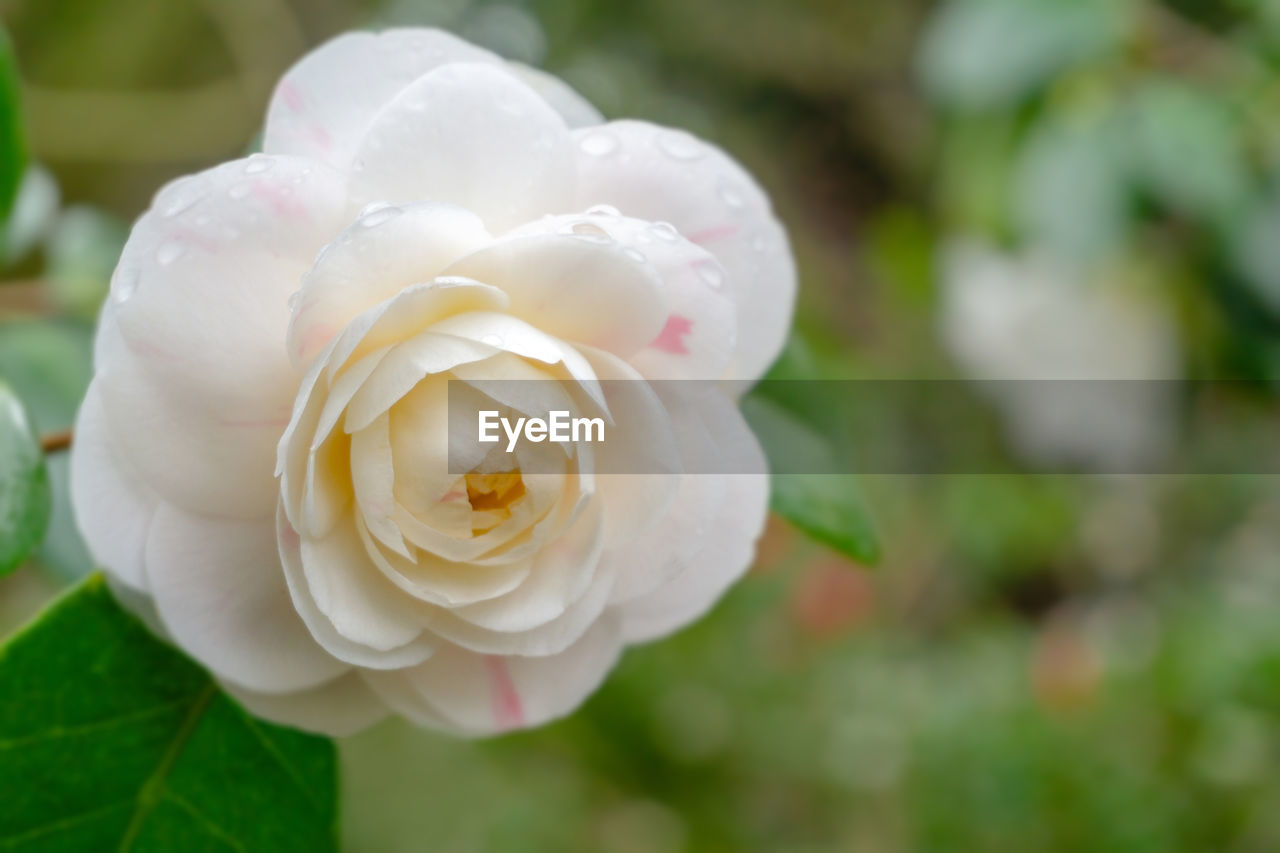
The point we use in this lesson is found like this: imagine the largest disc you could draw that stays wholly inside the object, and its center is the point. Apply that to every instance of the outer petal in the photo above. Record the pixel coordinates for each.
(699, 330)
(221, 594)
(195, 359)
(471, 135)
(727, 547)
(113, 509)
(477, 694)
(583, 290)
(576, 110)
(336, 708)
(324, 104)
(655, 173)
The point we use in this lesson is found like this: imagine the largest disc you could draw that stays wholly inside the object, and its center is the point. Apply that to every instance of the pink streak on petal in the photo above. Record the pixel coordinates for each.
(317, 336)
(195, 238)
(149, 350)
(292, 96)
(710, 235)
(671, 338)
(508, 713)
(453, 496)
(279, 200)
(321, 138)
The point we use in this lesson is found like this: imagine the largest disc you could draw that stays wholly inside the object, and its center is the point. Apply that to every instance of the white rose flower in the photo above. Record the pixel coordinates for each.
(261, 460)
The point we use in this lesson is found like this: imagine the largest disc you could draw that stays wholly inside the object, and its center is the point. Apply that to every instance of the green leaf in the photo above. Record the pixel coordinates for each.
(1184, 149)
(24, 484)
(1071, 192)
(112, 740)
(827, 507)
(13, 154)
(49, 364)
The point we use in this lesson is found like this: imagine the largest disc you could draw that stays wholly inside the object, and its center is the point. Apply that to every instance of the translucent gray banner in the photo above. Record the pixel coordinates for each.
(911, 427)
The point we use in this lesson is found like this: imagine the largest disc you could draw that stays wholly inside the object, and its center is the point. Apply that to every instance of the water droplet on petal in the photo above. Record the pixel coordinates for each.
(665, 231)
(679, 145)
(635, 255)
(293, 299)
(181, 202)
(202, 220)
(378, 213)
(240, 190)
(169, 251)
(588, 231)
(257, 164)
(125, 284)
(603, 210)
(759, 243)
(731, 196)
(598, 143)
(710, 272)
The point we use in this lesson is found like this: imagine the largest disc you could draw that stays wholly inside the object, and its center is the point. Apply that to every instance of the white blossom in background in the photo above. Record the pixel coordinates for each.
(260, 461)
(1034, 319)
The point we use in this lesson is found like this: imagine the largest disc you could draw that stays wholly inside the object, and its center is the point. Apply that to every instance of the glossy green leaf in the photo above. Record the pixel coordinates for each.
(49, 364)
(827, 507)
(24, 484)
(13, 155)
(112, 740)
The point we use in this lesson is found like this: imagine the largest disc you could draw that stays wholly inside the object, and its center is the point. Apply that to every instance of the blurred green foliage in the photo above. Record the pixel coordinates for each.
(1043, 662)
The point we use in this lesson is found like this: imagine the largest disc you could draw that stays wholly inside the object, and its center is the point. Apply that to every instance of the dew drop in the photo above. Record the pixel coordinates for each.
(758, 243)
(202, 220)
(258, 164)
(710, 272)
(179, 204)
(125, 285)
(240, 190)
(731, 196)
(665, 231)
(169, 251)
(381, 213)
(588, 231)
(598, 144)
(293, 299)
(679, 145)
(603, 210)
(635, 255)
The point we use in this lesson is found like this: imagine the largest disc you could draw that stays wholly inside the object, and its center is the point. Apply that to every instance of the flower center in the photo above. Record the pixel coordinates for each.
(491, 497)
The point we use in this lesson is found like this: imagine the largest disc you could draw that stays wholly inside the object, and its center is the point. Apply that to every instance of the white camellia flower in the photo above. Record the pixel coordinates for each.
(261, 461)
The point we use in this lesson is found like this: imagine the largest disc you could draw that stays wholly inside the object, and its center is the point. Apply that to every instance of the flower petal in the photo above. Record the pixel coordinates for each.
(113, 508)
(576, 110)
(469, 134)
(727, 547)
(655, 173)
(476, 694)
(384, 251)
(323, 105)
(582, 290)
(221, 594)
(336, 708)
(194, 361)
(322, 628)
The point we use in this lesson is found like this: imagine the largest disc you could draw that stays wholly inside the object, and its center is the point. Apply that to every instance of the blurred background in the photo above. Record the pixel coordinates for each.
(976, 189)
